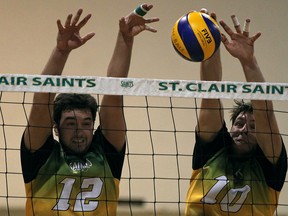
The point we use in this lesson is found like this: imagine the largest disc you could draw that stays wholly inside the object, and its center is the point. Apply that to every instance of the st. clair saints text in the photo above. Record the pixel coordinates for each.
(42, 81)
(223, 87)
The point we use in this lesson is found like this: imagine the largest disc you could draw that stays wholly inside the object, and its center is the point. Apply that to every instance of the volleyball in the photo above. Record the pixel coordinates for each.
(196, 36)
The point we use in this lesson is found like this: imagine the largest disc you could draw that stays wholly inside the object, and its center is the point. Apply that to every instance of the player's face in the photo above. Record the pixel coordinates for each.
(243, 134)
(76, 130)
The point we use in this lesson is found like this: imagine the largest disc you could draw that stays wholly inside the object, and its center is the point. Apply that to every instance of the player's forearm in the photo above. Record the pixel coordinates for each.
(252, 70)
(56, 63)
(54, 66)
(211, 69)
(267, 130)
(253, 73)
(120, 61)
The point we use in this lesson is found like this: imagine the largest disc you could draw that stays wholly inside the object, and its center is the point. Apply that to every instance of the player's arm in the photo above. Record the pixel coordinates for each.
(241, 46)
(211, 113)
(40, 120)
(111, 113)
(267, 130)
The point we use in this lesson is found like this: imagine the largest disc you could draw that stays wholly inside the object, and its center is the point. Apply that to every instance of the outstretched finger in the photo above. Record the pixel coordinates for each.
(204, 10)
(236, 23)
(151, 29)
(84, 21)
(152, 20)
(60, 26)
(142, 10)
(88, 37)
(224, 39)
(68, 20)
(147, 7)
(246, 27)
(77, 17)
(213, 15)
(227, 29)
(255, 37)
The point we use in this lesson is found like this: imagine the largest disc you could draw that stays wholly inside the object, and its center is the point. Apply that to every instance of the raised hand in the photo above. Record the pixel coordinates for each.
(240, 45)
(134, 23)
(69, 35)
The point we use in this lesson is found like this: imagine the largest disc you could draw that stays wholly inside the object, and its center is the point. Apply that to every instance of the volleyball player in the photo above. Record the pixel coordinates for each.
(240, 172)
(79, 174)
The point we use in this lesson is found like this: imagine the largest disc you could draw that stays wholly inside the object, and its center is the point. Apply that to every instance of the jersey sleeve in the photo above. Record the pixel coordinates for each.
(274, 174)
(32, 162)
(204, 151)
(114, 158)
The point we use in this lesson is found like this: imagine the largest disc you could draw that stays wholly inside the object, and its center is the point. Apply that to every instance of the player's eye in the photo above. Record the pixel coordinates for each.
(70, 125)
(239, 124)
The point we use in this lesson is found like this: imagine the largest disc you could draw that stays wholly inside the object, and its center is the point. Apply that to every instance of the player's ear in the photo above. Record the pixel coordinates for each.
(55, 128)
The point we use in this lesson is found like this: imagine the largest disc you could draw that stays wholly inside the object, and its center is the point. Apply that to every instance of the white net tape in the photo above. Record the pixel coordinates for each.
(144, 87)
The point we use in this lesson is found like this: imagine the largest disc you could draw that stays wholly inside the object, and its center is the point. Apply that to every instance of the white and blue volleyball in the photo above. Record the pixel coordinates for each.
(196, 36)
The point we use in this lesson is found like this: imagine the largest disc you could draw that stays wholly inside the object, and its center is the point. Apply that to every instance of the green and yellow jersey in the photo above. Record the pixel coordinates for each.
(65, 185)
(221, 185)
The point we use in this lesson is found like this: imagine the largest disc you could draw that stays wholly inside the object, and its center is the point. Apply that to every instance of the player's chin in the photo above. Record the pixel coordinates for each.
(80, 149)
(239, 145)
(241, 148)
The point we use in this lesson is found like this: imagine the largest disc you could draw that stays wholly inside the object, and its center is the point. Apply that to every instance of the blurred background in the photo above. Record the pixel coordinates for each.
(158, 164)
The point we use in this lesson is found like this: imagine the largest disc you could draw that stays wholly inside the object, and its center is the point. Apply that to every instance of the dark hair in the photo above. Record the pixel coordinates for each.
(66, 101)
(240, 107)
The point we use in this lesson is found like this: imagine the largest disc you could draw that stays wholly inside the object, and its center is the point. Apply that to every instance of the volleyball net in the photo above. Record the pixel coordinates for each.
(161, 116)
